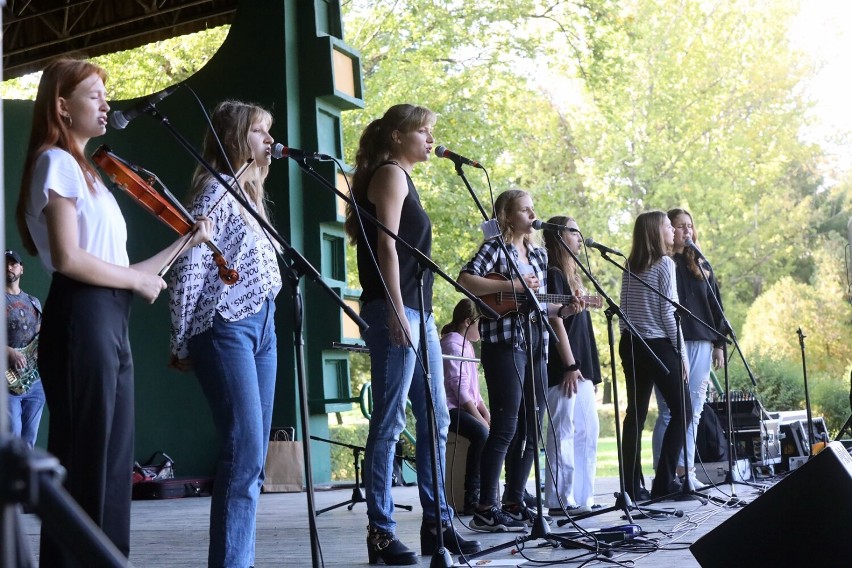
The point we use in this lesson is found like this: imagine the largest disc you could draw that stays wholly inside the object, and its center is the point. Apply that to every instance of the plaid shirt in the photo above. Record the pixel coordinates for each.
(490, 258)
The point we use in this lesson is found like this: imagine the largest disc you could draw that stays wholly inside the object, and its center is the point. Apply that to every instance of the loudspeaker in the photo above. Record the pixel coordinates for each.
(804, 520)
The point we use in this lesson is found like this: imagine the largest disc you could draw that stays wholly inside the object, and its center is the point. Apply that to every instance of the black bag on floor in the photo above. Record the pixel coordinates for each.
(174, 488)
(711, 445)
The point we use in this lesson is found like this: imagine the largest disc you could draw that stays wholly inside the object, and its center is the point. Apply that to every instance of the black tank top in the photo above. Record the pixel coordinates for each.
(415, 228)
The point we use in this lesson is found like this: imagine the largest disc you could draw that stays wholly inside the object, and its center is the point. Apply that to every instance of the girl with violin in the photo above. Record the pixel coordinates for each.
(69, 219)
(227, 333)
(506, 363)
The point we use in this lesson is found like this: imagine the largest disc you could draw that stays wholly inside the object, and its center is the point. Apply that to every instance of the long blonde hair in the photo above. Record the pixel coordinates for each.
(232, 121)
(374, 148)
(59, 79)
(504, 206)
(559, 258)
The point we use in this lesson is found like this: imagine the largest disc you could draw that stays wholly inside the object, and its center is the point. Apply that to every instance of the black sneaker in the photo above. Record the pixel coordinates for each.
(495, 520)
(520, 512)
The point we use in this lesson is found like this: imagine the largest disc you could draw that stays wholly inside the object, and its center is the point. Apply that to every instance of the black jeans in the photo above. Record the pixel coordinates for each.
(641, 373)
(464, 424)
(511, 439)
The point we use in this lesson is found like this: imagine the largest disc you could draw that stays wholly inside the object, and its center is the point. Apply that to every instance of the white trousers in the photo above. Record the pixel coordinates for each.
(572, 447)
(700, 355)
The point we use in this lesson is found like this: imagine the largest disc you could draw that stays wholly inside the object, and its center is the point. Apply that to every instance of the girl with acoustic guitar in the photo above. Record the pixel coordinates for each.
(505, 359)
(67, 216)
(573, 371)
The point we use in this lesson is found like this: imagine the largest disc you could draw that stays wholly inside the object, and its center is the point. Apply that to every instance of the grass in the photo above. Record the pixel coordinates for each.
(608, 458)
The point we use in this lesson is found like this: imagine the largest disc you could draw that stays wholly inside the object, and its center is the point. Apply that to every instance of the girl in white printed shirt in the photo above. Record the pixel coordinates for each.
(227, 333)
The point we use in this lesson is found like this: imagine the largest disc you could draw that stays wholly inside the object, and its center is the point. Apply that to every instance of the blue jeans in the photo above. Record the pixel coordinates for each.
(236, 364)
(25, 413)
(699, 354)
(397, 374)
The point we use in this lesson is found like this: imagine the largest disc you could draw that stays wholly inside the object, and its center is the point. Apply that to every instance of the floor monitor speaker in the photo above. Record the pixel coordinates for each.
(804, 520)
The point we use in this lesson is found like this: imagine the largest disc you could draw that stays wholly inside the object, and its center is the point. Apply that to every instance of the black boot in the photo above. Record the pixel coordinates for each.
(384, 546)
(453, 541)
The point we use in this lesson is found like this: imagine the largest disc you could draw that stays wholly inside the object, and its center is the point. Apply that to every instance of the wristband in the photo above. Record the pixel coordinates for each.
(570, 368)
(559, 311)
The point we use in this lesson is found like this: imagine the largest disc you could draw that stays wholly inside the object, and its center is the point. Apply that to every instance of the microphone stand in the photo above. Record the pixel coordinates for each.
(729, 419)
(34, 477)
(540, 528)
(807, 396)
(687, 491)
(298, 267)
(441, 557)
(621, 497)
(357, 493)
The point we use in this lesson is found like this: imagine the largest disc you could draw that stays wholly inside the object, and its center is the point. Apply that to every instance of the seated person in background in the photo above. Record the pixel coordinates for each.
(468, 415)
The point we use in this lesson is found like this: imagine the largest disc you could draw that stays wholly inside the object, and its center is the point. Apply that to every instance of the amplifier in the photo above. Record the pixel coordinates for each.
(761, 445)
(746, 411)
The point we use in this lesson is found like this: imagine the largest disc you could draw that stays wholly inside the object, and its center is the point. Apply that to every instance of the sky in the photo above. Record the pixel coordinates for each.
(823, 29)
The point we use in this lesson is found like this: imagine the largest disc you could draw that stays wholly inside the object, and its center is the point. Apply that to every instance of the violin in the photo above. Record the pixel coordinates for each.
(163, 206)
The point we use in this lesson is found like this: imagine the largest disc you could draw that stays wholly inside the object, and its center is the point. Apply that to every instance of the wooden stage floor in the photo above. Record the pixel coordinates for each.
(173, 533)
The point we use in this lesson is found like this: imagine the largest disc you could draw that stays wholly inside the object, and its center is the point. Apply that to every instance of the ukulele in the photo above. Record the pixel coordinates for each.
(509, 302)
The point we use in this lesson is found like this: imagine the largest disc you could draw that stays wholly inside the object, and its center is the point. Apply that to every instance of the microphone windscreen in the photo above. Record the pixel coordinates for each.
(117, 120)
(439, 151)
(536, 224)
(278, 150)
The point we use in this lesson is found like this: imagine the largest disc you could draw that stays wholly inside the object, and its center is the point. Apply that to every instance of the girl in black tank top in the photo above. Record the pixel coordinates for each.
(382, 185)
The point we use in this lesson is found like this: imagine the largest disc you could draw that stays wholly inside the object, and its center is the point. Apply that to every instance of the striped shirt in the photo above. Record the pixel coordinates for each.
(652, 316)
(489, 259)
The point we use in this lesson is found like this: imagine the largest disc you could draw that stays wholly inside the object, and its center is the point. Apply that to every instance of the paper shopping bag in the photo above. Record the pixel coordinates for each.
(284, 471)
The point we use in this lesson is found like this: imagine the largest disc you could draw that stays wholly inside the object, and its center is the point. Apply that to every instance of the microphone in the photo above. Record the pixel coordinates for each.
(442, 152)
(590, 242)
(281, 151)
(689, 244)
(540, 225)
(120, 119)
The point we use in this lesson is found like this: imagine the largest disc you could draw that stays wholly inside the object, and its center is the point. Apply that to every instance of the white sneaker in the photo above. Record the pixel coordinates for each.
(696, 484)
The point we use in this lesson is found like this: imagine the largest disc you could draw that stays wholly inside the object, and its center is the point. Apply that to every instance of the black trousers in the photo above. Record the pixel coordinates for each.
(511, 439)
(464, 424)
(87, 371)
(641, 373)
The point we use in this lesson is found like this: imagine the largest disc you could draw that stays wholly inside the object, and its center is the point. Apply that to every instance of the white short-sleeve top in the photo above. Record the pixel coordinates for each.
(101, 226)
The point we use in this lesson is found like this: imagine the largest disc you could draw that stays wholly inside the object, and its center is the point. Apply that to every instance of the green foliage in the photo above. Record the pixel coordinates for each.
(137, 72)
(830, 399)
(780, 385)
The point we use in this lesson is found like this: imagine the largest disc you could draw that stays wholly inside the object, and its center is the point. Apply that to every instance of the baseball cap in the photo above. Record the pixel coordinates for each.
(14, 256)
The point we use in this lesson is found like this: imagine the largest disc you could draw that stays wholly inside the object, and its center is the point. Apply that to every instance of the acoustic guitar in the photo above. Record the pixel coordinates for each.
(510, 302)
(20, 380)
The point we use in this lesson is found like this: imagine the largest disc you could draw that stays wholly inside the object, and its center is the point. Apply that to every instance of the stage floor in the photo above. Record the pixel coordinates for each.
(173, 533)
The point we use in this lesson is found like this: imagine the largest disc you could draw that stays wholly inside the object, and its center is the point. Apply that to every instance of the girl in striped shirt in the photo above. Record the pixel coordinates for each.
(654, 319)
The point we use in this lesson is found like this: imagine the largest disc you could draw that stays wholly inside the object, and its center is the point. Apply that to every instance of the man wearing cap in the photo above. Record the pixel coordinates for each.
(23, 320)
